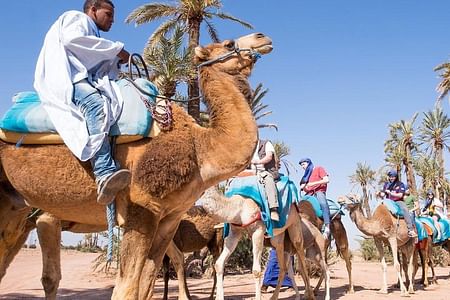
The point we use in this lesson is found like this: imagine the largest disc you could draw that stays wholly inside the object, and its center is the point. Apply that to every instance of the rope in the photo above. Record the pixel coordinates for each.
(111, 217)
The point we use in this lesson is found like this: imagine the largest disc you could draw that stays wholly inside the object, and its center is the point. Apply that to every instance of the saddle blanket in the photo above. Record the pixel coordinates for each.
(250, 187)
(444, 225)
(393, 207)
(421, 231)
(28, 116)
(334, 207)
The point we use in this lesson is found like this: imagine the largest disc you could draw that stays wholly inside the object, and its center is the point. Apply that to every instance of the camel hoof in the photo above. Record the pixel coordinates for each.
(382, 291)
(405, 294)
(351, 291)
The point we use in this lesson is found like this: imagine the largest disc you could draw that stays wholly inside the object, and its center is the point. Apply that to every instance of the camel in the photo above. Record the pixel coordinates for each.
(177, 164)
(339, 234)
(243, 214)
(383, 228)
(197, 230)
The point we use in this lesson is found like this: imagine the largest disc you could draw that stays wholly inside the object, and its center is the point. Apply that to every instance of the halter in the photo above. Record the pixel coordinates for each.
(254, 55)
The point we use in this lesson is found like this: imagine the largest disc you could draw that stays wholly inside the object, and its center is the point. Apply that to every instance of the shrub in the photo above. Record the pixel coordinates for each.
(369, 251)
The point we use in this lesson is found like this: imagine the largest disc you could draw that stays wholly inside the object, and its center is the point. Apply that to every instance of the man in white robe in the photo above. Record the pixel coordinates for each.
(74, 79)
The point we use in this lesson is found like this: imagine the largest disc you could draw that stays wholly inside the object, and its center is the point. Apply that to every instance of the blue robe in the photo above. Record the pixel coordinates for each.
(272, 271)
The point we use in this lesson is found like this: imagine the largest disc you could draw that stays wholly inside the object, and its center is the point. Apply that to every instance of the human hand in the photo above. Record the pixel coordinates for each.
(124, 56)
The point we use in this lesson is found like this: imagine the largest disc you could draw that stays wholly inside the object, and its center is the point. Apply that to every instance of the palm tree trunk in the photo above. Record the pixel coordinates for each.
(193, 90)
(366, 206)
(410, 178)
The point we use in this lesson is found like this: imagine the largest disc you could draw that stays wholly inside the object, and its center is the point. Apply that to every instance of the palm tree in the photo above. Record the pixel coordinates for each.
(258, 107)
(444, 86)
(365, 177)
(401, 142)
(281, 151)
(169, 62)
(435, 134)
(189, 15)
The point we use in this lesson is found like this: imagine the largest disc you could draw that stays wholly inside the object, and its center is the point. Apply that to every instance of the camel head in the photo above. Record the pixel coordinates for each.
(234, 56)
(350, 201)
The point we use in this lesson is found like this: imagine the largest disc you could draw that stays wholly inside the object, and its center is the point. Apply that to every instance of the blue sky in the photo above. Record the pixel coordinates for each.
(340, 72)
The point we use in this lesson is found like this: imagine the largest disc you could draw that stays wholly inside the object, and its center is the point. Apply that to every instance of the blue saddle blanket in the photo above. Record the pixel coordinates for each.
(28, 116)
(393, 207)
(421, 231)
(250, 187)
(334, 207)
(444, 225)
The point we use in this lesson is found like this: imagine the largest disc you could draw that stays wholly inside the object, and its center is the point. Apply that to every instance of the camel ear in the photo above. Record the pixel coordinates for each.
(201, 53)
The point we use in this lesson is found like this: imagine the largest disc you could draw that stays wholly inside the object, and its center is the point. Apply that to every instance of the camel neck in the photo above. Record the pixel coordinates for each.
(366, 226)
(221, 207)
(228, 143)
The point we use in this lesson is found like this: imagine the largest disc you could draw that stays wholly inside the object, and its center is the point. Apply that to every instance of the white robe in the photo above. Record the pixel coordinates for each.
(72, 51)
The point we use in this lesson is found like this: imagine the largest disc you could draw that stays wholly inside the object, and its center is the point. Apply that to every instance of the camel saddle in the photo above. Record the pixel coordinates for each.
(334, 207)
(27, 122)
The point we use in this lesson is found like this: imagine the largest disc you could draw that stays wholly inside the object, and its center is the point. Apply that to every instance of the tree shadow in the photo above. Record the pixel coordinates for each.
(67, 294)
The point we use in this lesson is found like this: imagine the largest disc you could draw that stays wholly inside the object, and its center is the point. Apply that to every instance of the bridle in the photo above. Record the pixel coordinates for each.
(254, 55)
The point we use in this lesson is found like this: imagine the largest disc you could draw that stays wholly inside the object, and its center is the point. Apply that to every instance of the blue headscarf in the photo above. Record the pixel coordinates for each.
(308, 170)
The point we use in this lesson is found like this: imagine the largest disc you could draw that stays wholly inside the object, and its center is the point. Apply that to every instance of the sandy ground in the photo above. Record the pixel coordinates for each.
(22, 281)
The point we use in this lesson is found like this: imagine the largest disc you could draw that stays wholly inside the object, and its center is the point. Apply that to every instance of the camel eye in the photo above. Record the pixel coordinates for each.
(230, 45)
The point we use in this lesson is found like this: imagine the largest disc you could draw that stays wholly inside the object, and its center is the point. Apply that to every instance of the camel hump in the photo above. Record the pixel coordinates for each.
(27, 121)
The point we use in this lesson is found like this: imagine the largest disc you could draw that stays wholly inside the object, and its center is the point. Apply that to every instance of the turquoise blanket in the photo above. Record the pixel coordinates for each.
(421, 231)
(250, 187)
(28, 116)
(445, 228)
(334, 207)
(393, 207)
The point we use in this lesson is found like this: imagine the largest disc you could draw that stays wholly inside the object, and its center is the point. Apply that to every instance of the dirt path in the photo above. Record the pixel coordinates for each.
(22, 281)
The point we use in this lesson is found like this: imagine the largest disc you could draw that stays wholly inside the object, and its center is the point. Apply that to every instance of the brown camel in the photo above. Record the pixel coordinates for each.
(177, 164)
(197, 230)
(242, 214)
(339, 234)
(383, 228)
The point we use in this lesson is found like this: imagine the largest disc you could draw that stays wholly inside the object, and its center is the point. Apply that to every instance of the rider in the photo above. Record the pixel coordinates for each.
(315, 182)
(73, 78)
(394, 190)
(434, 207)
(265, 163)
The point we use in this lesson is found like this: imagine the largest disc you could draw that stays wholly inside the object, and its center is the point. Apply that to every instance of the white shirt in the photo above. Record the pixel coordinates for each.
(72, 51)
(268, 148)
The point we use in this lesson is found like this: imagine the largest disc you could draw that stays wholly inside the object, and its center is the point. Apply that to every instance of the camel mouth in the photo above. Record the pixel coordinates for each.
(264, 49)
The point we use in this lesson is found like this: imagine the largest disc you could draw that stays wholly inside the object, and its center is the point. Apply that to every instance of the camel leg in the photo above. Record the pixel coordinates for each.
(166, 268)
(430, 261)
(177, 258)
(417, 253)
(291, 274)
(296, 237)
(14, 226)
(318, 258)
(379, 245)
(49, 233)
(137, 239)
(257, 249)
(278, 243)
(340, 236)
(409, 260)
(230, 244)
(393, 244)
